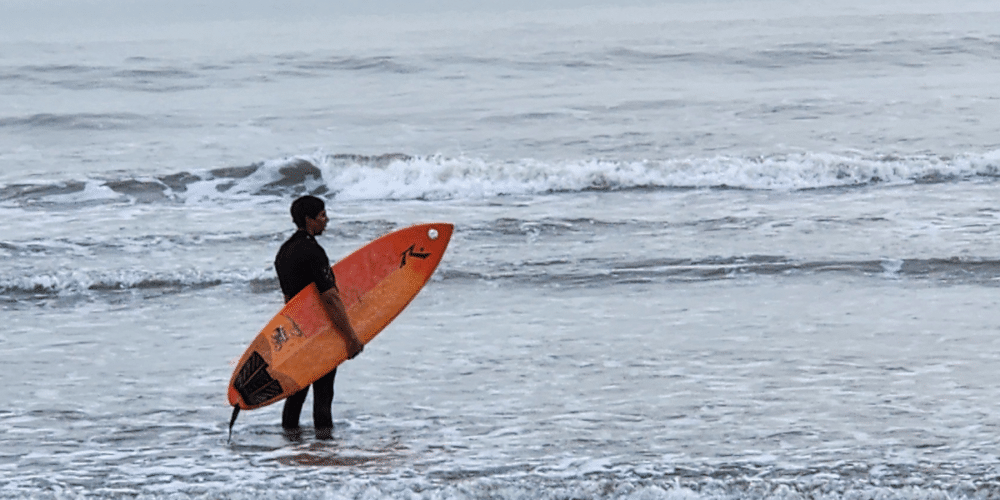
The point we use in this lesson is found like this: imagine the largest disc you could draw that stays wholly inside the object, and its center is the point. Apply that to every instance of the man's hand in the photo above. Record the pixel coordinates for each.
(354, 347)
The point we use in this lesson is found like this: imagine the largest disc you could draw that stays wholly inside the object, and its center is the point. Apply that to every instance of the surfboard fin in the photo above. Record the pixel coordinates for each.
(232, 420)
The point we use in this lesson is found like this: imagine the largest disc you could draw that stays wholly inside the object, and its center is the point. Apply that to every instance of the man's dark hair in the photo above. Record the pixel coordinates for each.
(306, 206)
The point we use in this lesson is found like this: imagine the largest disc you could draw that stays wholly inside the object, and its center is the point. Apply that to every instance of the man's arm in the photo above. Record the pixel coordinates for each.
(338, 315)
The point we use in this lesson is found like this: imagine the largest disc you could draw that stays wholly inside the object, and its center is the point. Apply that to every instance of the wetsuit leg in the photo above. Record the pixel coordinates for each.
(293, 407)
(323, 401)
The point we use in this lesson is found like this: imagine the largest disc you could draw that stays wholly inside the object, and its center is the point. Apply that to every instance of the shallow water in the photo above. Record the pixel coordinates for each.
(838, 383)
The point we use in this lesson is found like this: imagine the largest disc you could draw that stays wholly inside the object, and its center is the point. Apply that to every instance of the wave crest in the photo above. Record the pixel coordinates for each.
(79, 282)
(404, 177)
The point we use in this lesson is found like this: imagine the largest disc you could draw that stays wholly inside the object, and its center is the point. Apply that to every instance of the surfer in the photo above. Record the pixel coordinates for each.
(300, 262)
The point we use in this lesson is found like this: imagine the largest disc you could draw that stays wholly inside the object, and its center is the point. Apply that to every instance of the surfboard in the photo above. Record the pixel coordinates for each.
(300, 344)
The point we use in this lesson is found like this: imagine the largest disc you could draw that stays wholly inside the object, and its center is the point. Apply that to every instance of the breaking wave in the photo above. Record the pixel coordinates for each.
(403, 177)
(79, 282)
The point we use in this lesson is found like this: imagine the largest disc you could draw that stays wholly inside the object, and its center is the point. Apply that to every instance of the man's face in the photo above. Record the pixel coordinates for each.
(317, 225)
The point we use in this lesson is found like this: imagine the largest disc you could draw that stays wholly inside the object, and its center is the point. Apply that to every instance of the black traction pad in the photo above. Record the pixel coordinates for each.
(254, 383)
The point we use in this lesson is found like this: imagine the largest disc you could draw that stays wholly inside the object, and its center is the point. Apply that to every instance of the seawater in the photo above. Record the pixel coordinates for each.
(721, 250)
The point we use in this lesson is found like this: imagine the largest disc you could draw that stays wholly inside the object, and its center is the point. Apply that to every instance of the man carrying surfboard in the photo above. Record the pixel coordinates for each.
(300, 262)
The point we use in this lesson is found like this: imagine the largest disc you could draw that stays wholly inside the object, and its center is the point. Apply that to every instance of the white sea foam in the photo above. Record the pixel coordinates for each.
(93, 191)
(446, 178)
(77, 281)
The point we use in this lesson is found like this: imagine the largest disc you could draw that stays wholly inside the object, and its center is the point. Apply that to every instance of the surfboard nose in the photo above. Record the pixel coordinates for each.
(440, 232)
(427, 246)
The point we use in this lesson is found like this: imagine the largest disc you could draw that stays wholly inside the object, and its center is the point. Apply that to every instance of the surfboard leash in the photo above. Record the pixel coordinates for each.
(232, 420)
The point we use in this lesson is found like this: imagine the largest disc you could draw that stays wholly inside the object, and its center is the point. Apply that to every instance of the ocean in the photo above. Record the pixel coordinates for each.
(703, 250)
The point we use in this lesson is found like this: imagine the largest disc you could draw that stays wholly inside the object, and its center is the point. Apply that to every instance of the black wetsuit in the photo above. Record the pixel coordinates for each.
(301, 262)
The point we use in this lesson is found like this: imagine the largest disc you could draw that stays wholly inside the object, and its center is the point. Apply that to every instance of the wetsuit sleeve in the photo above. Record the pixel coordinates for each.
(321, 272)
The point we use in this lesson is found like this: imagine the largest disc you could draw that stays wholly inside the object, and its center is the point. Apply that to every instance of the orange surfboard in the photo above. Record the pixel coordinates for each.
(300, 344)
